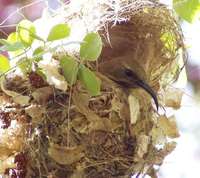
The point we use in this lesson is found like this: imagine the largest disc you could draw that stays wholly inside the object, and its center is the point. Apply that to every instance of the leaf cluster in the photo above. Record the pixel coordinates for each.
(73, 68)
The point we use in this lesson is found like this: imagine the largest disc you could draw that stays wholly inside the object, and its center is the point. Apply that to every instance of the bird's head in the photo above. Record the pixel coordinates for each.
(127, 73)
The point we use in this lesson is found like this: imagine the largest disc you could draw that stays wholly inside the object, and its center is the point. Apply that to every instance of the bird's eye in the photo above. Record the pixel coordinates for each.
(128, 72)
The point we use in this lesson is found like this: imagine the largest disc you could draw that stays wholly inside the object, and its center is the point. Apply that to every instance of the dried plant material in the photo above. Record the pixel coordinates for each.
(153, 173)
(168, 126)
(134, 109)
(116, 102)
(12, 140)
(102, 104)
(17, 97)
(158, 136)
(142, 97)
(35, 112)
(173, 98)
(82, 103)
(6, 163)
(104, 124)
(165, 128)
(78, 174)
(142, 146)
(96, 122)
(65, 155)
(169, 148)
(80, 124)
(42, 95)
(51, 70)
(51, 176)
(162, 153)
(4, 100)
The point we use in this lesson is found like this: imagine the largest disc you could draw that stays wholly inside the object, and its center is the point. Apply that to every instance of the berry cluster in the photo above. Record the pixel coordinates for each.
(5, 119)
(20, 170)
(36, 80)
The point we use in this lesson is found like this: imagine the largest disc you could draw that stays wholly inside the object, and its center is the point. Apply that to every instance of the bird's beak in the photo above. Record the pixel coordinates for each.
(149, 90)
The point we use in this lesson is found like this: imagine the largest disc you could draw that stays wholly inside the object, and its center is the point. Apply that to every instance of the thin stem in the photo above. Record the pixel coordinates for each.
(18, 10)
(68, 117)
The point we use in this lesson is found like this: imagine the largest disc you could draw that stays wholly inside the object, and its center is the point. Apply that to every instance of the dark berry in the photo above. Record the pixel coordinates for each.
(21, 165)
(11, 173)
(7, 171)
(36, 80)
(21, 173)
(5, 119)
(20, 158)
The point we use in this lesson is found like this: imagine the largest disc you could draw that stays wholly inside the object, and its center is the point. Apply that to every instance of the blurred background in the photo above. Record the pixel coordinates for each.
(12, 11)
(184, 162)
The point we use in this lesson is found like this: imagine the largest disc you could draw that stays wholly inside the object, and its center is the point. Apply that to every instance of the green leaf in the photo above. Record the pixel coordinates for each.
(14, 42)
(58, 32)
(4, 64)
(187, 9)
(91, 47)
(4, 42)
(15, 46)
(26, 32)
(25, 65)
(37, 54)
(8, 46)
(13, 38)
(89, 80)
(70, 69)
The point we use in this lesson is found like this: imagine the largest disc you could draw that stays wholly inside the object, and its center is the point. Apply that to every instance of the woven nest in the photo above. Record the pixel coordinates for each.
(61, 134)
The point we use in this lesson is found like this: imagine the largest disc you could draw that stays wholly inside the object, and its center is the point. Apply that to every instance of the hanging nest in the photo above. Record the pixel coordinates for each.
(47, 132)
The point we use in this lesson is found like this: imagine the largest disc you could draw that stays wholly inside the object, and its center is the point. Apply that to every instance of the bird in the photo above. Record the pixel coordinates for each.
(126, 59)
(127, 74)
